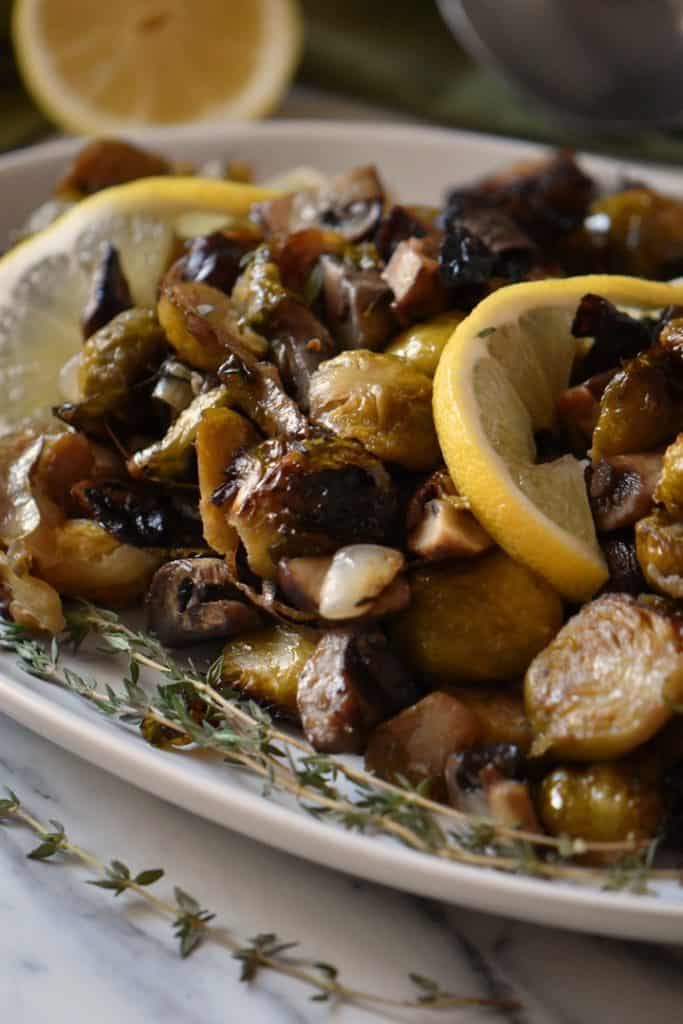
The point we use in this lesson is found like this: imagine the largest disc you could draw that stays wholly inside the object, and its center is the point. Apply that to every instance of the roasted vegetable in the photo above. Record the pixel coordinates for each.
(258, 392)
(300, 343)
(351, 682)
(377, 400)
(413, 275)
(109, 293)
(670, 487)
(216, 259)
(291, 498)
(356, 302)
(351, 205)
(141, 516)
(659, 546)
(642, 231)
(482, 242)
(193, 600)
(625, 573)
(415, 744)
(440, 524)
(351, 584)
(483, 619)
(641, 407)
(488, 781)
(176, 386)
(203, 326)
(87, 562)
(607, 682)
(615, 335)
(171, 457)
(608, 801)
(106, 162)
(120, 355)
(265, 666)
(421, 346)
(621, 489)
(221, 434)
(500, 712)
(29, 601)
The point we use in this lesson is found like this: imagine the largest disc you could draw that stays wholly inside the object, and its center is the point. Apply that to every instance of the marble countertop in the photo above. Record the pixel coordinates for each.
(73, 954)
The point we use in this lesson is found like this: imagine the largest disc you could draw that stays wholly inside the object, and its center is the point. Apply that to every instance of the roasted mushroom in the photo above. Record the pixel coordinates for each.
(440, 524)
(625, 573)
(488, 781)
(300, 343)
(109, 293)
(351, 682)
(414, 277)
(106, 162)
(415, 744)
(193, 600)
(292, 498)
(216, 259)
(377, 400)
(356, 302)
(615, 335)
(607, 682)
(351, 205)
(621, 489)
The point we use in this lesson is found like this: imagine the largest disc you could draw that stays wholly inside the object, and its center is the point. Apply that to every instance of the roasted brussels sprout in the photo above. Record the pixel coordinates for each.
(259, 290)
(120, 354)
(377, 400)
(421, 346)
(203, 326)
(608, 801)
(350, 683)
(670, 487)
(88, 562)
(221, 433)
(290, 498)
(171, 457)
(483, 619)
(29, 601)
(659, 546)
(109, 293)
(641, 406)
(415, 744)
(137, 515)
(607, 682)
(265, 665)
(642, 230)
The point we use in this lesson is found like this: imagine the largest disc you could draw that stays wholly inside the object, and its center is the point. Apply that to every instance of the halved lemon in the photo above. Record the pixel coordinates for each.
(96, 68)
(44, 281)
(496, 386)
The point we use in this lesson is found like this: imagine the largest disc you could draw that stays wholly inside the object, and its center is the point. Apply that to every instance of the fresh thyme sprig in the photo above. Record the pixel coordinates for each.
(192, 925)
(188, 707)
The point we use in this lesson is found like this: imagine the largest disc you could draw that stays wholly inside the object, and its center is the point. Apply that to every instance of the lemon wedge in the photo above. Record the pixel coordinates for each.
(496, 386)
(45, 280)
(96, 68)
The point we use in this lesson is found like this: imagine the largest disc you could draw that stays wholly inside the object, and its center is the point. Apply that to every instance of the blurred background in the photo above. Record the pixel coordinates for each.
(398, 57)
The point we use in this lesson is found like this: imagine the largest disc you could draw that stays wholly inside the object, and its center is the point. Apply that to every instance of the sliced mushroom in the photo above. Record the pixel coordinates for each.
(416, 743)
(357, 305)
(481, 242)
(440, 524)
(621, 489)
(300, 343)
(402, 223)
(109, 295)
(351, 205)
(193, 600)
(349, 685)
(216, 259)
(414, 277)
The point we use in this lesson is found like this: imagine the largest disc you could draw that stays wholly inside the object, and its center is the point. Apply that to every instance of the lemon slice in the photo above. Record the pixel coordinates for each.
(496, 386)
(97, 68)
(44, 281)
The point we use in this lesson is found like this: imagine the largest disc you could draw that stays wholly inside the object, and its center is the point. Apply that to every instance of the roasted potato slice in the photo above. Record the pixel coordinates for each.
(607, 681)
(380, 401)
(88, 562)
(482, 619)
(607, 801)
(265, 665)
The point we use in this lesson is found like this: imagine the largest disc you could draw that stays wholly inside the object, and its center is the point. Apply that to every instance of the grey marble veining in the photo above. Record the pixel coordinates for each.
(72, 954)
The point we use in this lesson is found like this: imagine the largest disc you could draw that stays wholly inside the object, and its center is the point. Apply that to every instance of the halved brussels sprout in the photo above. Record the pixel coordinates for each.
(421, 345)
(265, 665)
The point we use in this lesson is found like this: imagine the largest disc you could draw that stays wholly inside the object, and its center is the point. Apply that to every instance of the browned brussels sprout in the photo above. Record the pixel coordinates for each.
(127, 350)
(643, 231)
(607, 682)
(670, 487)
(659, 546)
(265, 665)
(377, 400)
(290, 498)
(501, 714)
(221, 433)
(476, 620)
(607, 801)
(421, 346)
